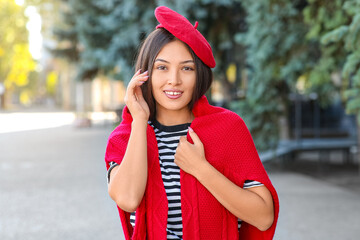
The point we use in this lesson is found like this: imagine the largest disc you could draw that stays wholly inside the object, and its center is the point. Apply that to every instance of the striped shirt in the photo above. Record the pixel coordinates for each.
(168, 139)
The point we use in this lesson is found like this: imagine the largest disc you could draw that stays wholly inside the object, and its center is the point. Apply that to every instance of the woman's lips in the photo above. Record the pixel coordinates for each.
(173, 94)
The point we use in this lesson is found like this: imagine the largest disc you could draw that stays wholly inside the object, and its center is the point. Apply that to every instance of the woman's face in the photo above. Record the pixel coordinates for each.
(173, 78)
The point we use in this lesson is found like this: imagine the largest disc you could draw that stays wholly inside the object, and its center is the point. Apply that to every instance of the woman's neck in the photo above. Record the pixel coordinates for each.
(171, 118)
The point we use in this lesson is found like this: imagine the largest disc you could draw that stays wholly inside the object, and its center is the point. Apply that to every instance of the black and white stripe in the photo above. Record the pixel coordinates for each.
(112, 165)
(251, 183)
(168, 139)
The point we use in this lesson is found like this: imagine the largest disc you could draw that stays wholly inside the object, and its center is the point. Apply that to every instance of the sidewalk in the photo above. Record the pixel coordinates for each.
(53, 186)
(314, 209)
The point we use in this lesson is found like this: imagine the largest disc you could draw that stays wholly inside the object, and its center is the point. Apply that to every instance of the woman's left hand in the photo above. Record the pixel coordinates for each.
(190, 157)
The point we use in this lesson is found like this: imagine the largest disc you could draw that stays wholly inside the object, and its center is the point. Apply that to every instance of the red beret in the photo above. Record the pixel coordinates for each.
(181, 28)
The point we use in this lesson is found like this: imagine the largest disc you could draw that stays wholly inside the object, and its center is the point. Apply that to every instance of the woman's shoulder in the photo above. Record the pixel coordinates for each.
(227, 116)
(208, 111)
(120, 131)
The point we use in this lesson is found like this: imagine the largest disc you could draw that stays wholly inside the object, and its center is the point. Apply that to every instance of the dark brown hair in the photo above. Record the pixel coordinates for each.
(145, 61)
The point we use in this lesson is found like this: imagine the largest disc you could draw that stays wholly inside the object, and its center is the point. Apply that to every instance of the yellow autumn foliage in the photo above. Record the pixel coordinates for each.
(21, 65)
(15, 59)
(25, 97)
(231, 73)
(51, 82)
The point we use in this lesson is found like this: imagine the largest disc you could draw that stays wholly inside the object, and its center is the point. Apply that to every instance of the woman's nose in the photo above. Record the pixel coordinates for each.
(174, 78)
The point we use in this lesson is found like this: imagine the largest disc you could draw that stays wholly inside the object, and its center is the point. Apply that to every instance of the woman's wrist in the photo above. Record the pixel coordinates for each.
(136, 123)
(202, 171)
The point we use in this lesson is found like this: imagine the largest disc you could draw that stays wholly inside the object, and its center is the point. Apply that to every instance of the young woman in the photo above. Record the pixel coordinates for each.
(179, 168)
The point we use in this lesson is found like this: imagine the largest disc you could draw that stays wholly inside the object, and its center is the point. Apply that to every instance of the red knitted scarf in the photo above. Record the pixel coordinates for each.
(228, 147)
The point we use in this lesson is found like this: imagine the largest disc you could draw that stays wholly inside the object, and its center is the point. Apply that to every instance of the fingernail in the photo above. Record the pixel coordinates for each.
(141, 82)
(190, 129)
(145, 72)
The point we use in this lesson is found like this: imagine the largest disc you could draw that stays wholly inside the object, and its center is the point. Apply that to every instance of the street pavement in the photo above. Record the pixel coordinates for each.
(314, 209)
(53, 186)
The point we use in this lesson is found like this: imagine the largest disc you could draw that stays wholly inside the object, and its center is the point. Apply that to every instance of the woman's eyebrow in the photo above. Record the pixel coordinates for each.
(162, 60)
(188, 61)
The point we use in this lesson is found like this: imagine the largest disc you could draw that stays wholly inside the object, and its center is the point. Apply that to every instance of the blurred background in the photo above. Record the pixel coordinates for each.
(289, 68)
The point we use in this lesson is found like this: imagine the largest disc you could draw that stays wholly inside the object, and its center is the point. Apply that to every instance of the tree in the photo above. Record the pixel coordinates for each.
(276, 56)
(321, 77)
(102, 36)
(16, 62)
(347, 35)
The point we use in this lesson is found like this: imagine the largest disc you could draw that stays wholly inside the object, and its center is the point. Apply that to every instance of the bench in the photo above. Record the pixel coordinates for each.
(324, 145)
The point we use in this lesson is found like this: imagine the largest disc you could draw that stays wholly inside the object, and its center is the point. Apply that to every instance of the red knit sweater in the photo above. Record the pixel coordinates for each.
(228, 147)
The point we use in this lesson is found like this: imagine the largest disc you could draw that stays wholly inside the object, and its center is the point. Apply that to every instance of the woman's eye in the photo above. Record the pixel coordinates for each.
(188, 68)
(161, 67)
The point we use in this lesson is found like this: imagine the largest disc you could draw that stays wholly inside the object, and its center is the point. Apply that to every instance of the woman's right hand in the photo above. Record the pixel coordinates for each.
(134, 98)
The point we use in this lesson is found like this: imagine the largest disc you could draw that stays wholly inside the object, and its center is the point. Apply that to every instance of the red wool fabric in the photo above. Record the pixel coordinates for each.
(181, 28)
(228, 147)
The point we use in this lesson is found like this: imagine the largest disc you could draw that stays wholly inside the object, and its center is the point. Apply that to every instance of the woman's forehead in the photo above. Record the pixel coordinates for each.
(175, 51)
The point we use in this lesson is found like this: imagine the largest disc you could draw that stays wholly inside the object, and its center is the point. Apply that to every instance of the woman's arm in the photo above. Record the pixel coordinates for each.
(253, 205)
(128, 180)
